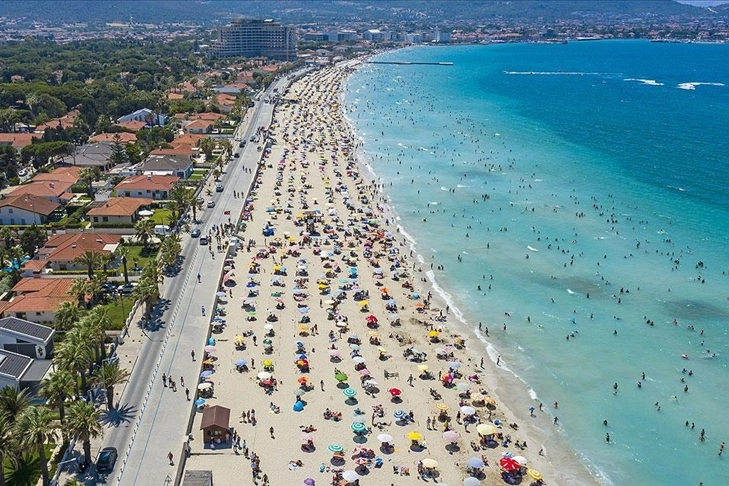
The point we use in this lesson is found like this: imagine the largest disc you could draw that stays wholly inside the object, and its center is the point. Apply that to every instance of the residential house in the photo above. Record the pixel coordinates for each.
(117, 210)
(66, 121)
(21, 372)
(156, 187)
(27, 209)
(61, 250)
(27, 338)
(18, 140)
(144, 115)
(60, 174)
(132, 125)
(91, 155)
(124, 138)
(58, 192)
(199, 126)
(178, 150)
(167, 165)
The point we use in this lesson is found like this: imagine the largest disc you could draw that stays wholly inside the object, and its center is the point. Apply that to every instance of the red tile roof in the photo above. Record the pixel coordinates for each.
(46, 287)
(36, 303)
(151, 182)
(132, 125)
(18, 140)
(29, 202)
(68, 246)
(61, 174)
(124, 137)
(120, 206)
(42, 188)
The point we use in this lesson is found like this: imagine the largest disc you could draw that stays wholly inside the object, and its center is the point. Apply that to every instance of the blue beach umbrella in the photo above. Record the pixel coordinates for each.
(298, 406)
(199, 402)
(349, 392)
(205, 374)
(335, 448)
(399, 414)
(241, 362)
(301, 356)
(475, 463)
(358, 427)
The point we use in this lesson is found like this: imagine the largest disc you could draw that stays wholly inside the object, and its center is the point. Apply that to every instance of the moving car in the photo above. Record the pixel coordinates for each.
(218, 187)
(107, 459)
(211, 204)
(203, 240)
(195, 233)
(126, 288)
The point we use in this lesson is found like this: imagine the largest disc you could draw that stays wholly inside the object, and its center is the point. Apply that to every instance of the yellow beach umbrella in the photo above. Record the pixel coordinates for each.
(423, 367)
(381, 350)
(364, 303)
(267, 362)
(433, 334)
(415, 436)
(303, 327)
(441, 406)
(486, 429)
(490, 401)
(534, 474)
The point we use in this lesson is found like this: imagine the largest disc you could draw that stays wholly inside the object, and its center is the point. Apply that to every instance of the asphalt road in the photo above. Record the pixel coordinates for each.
(151, 420)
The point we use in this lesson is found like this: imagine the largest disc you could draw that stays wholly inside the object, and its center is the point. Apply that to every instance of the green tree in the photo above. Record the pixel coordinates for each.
(91, 259)
(36, 428)
(32, 238)
(96, 323)
(144, 231)
(169, 250)
(13, 402)
(122, 253)
(84, 424)
(8, 237)
(68, 314)
(118, 152)
(88, 175)
(207, 145)
(8, 446)
(147, 290)
(109, 376)
(75, 354)
(178, 195)
(57, 388)
(80, 288)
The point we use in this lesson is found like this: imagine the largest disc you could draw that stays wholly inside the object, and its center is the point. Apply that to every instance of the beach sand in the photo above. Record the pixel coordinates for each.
(311, 160)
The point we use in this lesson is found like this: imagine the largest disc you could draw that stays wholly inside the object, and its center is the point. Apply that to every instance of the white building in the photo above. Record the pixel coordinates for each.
(255, 38)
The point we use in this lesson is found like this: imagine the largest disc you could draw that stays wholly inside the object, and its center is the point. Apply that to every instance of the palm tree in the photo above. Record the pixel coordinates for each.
(83, 423)
(79, 288)
(75, 354)
(13, 402)
(8, 446)
(108, 376)
(89, 175)
(35, 428)
(91, 259)
(95, 287)
(207, 145)
(144, 231)
(196, 206)
(99, 317)
(122, 253)
(67, 315)
(57, 388)
(147, 291)
(178, 195)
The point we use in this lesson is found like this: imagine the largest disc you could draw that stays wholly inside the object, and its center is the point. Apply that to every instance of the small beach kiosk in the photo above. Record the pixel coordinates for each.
(215, 424)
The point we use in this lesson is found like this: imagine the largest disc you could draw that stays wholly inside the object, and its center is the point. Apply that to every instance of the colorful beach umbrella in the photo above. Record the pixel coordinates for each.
(358, 427)
(534, 474)
(395, 392)
(399, 414)
(340, 377)
(509, 464)
(450, 436)
(349, 392)
(335, 448)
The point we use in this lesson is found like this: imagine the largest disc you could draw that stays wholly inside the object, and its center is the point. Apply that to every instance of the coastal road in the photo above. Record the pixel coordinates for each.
(151, 419)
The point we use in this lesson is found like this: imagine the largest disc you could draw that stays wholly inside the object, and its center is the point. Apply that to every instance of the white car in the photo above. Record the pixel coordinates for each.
(211, 204)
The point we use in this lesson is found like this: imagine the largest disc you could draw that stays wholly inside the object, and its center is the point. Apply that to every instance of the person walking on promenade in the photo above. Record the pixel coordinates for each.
(192, 353)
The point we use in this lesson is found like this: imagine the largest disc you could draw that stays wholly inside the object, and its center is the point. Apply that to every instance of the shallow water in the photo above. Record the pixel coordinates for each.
(580, 197)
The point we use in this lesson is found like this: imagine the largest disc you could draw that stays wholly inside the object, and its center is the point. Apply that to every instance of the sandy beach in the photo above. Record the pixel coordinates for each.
(336, 302)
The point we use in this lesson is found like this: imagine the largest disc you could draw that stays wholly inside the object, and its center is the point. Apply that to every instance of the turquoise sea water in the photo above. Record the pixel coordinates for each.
(585, 189)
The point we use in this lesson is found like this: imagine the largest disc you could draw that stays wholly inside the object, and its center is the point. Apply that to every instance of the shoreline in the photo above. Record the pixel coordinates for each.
(310, 181)
(522, 395)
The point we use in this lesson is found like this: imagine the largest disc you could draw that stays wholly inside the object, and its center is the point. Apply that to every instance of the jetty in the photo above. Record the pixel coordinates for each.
(405, 63)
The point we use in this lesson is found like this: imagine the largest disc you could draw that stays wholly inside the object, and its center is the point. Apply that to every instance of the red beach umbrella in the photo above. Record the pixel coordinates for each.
(395, 392)
(509, 464)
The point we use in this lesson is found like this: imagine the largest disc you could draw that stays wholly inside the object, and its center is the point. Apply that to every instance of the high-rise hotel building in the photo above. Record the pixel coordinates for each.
(255, 38)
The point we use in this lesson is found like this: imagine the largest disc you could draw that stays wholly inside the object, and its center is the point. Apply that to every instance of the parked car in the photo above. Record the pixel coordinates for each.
(195, 233)
(211, 204)
(200, 199)
(242, 144)
(203, 240)
(126, 288)
(218, 187)
(236, 154)
(107, 459)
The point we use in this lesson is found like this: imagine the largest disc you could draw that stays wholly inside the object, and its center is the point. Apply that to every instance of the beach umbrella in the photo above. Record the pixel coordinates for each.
(298, 406)
(371, 382)
(334, 353)
(204, 386)
(471, 481)
(349, 392)
(364, 372)
(302, 380)
(509, 464)
(361, 461)
(264, 375)
(384, 438)
(441, 407)
(423, 367)
(299, 392)
(335, 448)
(534, 474)
(303, 310)
(209, 349)
(241, 362)
(399, 414)
(220, 294)
(267, 362)
(306, 437)
(340, 377)
(301, 356)
(463, 386)
(268, 327)
(429, 463)
(466, 410)
(475, 462)
(350, 476)
(490, 401)
(486, 429)
(395, 392)
(358, 427)
(199, 402)
(454, 364)
(415, 436)
(450, 436)
(521, 460)
(358, 359)
(206, 373)
(354, 347)
(309, 482)
(341, 324)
